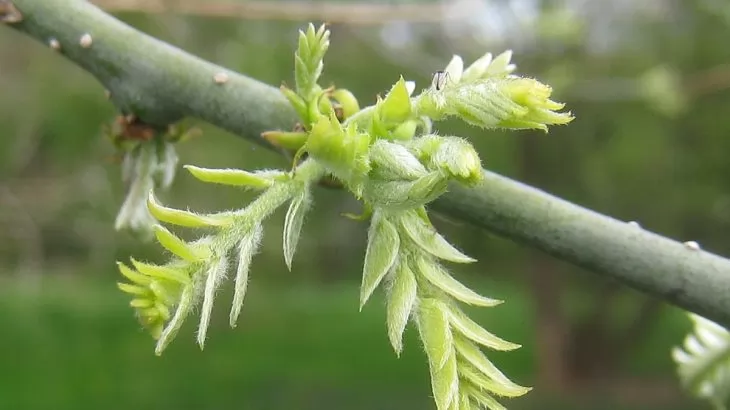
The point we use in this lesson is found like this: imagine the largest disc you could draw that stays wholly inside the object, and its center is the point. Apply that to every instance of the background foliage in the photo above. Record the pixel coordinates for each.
(647, 83)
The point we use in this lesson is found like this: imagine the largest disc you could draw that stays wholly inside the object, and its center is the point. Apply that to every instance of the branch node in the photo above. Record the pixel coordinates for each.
(9, 14)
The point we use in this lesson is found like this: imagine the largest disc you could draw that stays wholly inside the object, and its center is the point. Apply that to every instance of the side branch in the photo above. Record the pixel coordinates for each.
(161, 84)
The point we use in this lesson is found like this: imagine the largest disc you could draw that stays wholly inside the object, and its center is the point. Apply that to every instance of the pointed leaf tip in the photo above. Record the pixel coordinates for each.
(184, 218)
(401, 301)
(246, 250)
(234, 177)
(293, 224)
(425, 235)
(382, 250)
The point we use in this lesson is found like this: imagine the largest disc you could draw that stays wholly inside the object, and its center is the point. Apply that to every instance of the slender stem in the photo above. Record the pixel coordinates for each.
(161, 84)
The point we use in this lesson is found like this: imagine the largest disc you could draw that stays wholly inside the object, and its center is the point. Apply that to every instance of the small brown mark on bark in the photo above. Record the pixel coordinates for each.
(130, 128)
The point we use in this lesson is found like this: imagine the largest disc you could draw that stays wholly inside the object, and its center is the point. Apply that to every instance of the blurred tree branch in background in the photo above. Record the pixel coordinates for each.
(161, 85)
(331, 12)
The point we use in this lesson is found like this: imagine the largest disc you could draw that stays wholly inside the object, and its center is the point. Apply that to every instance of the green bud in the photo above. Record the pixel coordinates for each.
(519, 103)
(289, 140)
(391, 161)
(347, 101)
(459, 158)
(313, 45)
(402, 195)
(343, 151)
(405, 131)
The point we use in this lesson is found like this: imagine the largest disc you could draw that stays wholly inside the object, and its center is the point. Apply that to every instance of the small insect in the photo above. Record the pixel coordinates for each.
(439, 80)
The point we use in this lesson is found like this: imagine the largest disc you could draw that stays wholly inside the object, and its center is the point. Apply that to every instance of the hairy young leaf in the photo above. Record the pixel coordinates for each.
(246, 249)
(433, 326)
(704, 362)
(185, 218)
(396, 107)
(401, 300)
(424, 234)
(235, 177)
(485, 399)
(161, 272)
(216, 273)
(382, 250)
(293, 224)
(177, 246)
(182, 310)
(455, 69)
(436, 335)
(470, 352)
(403, 195)
(439, 277)
(471, 329)
(482, 381)
(393, 161)
(133, 276)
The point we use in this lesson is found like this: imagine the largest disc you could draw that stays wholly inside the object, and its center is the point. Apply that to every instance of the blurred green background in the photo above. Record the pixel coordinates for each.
(647, 81)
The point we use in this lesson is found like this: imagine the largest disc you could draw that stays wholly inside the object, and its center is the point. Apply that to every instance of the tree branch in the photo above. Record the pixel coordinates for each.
(161, 84)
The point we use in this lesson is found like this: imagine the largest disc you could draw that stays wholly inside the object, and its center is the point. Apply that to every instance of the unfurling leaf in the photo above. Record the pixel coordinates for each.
(459, 158)
(484, 399)
(433, 325)
(382, 250)
(246, 249)
(293, 224)
(424, 234)
(161, 272)
(442, 280)
(396, 107)
(403, 195)
(437, 339)
(703, 363)
(348, 102)
(485, 67)
(401, 300)
(182, 310)
(235, 177)
(471, 330)
(215, 275)
(393, 161)
(470, 373)
(177, 246)
(185, 218)
(289, 140)
(455, 69)
(470, 352)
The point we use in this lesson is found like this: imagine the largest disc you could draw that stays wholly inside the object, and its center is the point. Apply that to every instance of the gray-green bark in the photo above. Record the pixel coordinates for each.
(161, 84)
